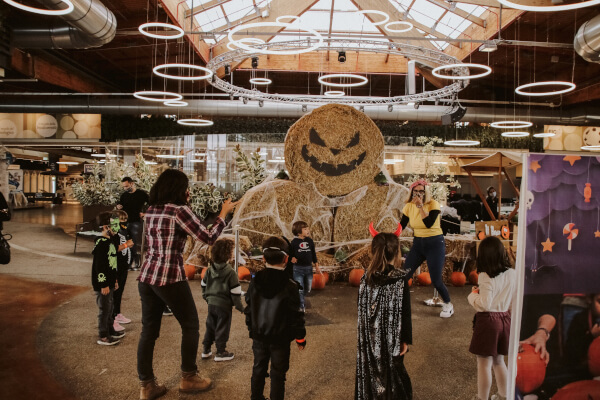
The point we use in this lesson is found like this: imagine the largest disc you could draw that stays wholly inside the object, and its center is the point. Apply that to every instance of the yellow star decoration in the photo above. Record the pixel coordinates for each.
(548, 245)
(597, 234)
(571, 159)
(534, 166)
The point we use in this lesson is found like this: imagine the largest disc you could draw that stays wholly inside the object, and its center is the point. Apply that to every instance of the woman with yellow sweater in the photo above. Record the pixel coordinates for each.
(423, 214)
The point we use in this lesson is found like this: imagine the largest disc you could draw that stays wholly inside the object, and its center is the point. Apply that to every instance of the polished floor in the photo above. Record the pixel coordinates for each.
(440, 366)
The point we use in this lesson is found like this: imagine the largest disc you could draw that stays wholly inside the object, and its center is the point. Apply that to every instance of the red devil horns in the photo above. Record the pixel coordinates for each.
(374, 233)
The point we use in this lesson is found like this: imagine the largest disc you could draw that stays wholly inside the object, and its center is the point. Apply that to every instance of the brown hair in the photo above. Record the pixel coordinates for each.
(298, 226)
(170, 187)
(426, 199)
(275, 250)
(492, 257)
(384, 250)
(104, 218)
(121, 214)
(222, 250)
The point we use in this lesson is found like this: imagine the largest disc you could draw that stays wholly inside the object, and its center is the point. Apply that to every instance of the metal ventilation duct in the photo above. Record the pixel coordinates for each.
(90, 24)
(236, 108)
(587, 40)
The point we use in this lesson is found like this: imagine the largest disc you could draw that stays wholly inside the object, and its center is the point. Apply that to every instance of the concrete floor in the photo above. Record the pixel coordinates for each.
(439, 363)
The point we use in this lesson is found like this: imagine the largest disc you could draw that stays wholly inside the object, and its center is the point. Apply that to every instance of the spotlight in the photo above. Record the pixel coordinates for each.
(304, 108)
(227, 69)
(416, 106)
(245, 100)
(231, 96)
(254, 62)
(390, 108)
(361, 108)
(342, 56)
(261, 103)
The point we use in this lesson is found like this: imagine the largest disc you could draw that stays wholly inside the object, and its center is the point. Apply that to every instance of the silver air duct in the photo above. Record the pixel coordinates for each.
(236, 108)
(90, 24)
(587, 40)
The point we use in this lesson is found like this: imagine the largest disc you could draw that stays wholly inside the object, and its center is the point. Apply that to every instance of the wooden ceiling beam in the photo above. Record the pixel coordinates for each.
(176, 12)
(482, 3)
(461, 13)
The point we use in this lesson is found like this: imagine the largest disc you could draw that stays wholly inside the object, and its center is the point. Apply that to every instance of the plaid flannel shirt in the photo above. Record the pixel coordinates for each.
(167, 228)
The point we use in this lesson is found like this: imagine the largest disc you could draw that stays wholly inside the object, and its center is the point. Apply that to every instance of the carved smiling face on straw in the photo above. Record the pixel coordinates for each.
(335, 146)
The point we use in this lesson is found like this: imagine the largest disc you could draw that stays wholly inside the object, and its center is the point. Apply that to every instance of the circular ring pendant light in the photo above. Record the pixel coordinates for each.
(591, 148)
(245, 40)
(176, 103)
(240, 44)
(261, 81)
(486, 71)
(462, 142)
(148, 95)
(386, 17)
(409, 26)
(158, 68)
(573, 6)
(544, 134)
(42, 11)
(195, 122)
(569, 87)
(142, 28)
(511, 124)
(335, 93)
(293, 18)
(515, 134)
(362, 80)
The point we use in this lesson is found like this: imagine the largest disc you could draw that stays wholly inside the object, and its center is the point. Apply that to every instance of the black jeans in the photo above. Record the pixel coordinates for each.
(105, 313)
(118, 294)
(279, 354)
(135, 228)
(218, 325)
(432, 249)
(178, 297)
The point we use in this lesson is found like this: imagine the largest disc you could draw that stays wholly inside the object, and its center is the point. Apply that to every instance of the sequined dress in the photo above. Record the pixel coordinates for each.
(384, 322)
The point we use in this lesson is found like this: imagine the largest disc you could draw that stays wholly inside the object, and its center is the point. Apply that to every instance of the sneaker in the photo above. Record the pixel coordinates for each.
(447, 310)
(117, 335)
(121, 319)
(107, 341)
(117, 327)
(206, 353)
(224, 356)
(167, 311)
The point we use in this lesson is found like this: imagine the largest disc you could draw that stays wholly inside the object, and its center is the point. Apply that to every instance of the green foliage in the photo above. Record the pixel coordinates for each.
(95, 190)
(252, 168)
(380, 179)
(282, 175)
(340, 255)
(205, 199)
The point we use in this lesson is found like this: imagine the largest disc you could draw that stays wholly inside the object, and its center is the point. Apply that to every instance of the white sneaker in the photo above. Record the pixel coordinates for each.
(121, 319)
(447, 310)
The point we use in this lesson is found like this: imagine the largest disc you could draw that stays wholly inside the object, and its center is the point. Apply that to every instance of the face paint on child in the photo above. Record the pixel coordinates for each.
(114, 225)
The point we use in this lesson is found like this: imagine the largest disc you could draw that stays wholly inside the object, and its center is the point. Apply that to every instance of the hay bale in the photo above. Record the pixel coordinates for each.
(272, 207)
(197, 252)
(380, 204)
(335, 146)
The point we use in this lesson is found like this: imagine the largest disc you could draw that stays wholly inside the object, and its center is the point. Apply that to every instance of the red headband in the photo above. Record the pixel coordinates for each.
(374, 233)
(422, 182)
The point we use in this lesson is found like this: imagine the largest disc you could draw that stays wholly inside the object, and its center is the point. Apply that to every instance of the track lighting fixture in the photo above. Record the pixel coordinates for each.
(390, 108)
(342, 57)
(261, 103)
(254, 62)
(227, 70)
(304, 108)
(245, 100)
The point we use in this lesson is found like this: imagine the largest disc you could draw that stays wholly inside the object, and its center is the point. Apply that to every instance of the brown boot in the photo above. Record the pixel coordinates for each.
(192, 382)
(151, 390)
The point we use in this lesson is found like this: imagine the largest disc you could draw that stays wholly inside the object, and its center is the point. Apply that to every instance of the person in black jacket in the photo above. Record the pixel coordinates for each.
(273, 319)
(104, 278)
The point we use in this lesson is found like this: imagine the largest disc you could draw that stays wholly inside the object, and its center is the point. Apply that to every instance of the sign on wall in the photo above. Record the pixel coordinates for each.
(571, 138)
(47, 126)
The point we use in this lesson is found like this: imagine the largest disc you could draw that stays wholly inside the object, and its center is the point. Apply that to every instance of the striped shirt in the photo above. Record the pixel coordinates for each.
(167, 228)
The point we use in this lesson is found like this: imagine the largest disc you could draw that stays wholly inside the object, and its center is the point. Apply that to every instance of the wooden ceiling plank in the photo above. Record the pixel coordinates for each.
(482, 3)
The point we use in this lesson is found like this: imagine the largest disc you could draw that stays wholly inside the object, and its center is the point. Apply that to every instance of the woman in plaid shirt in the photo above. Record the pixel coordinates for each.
(169, 220)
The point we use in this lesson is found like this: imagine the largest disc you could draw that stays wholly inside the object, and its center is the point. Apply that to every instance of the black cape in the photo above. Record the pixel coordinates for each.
(384, 323)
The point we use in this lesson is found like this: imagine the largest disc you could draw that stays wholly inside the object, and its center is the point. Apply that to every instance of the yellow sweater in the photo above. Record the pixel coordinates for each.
(416, 222)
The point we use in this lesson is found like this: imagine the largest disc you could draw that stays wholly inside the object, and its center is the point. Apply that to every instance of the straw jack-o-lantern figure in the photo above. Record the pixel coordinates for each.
(333, 155)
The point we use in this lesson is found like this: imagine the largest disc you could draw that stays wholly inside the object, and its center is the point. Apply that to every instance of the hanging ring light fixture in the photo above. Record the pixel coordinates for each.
(544, 134)
(261, 81)
(566, 7)
(148, 95)
(293, 18)
(176, 103)
(245, 40)
(591, 148)
(569, 87)
(461, 142)
(388, 28)
(240, 44)
(195, 122)
(486, 71)
(42, 11)
(386, 17)
(335, 93)
(511, 124)
(362, 80)
(515, 134)
(142, 28)
(158, 68)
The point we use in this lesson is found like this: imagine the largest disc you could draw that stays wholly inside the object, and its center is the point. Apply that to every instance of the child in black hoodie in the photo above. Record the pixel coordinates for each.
(273, 320)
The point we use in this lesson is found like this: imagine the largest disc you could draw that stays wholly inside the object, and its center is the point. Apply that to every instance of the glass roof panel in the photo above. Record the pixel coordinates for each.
(429, 9)
(236, 9)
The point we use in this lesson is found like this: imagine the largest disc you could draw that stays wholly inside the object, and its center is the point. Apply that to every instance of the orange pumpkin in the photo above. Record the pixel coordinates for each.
(474, 277)
(244, 274)
(203, 272)
(319, 281)
(531, 369)
(190, 271)
(410, 282)
(458, 279)
(582, 390)
(505, 232)
(355, 276)
(326, 275)
(424, 279)
(594, 357)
